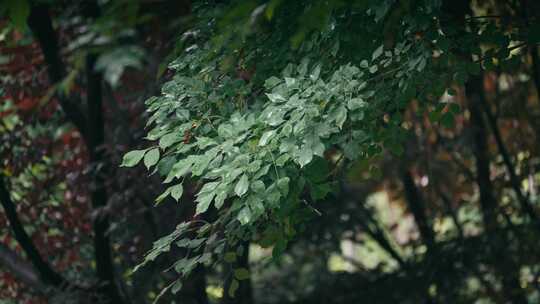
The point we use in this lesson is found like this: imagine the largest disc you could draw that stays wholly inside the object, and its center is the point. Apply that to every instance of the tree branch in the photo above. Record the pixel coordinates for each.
(46, 273)
(368, 223)
(448, 204)
(514, 181)
(21, 269)
(418, 206)
(378, 235)
(480, 148)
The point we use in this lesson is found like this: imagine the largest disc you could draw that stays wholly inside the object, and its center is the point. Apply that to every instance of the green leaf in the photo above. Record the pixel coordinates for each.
(335, 48)
(242, 186)
(266, 137)
(275, 98)
(176, 191)
(151, 157)
(377, 53)
(256, 206)
(168, 140)
(221, 195)
(244, 216)
(179, 169)
(230, 257)
(132, 158)
(176, 286)
(305, 156)
(274, 117)
(241, 274)
(204, 142)
(271, 83)
(283, 185)
(316, 72)
(204, 202)
(226, 131)
(201, 163)
(320, 191)
(364, 64)
(115, 60)
(290, 81)
(318, 170)
(421, 65)
(163, 195)
(257, 186)
(356, 103)
(232, 289)
(272, 195)
(340, 116)
(165, 165)
(279, 248)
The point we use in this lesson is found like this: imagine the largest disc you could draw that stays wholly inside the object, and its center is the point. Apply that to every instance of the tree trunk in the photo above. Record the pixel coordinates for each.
(506, 269)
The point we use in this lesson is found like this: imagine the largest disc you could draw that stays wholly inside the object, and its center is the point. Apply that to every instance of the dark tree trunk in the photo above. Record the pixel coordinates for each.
(98, 191)
(501, 262)
(92, 132)
(40, 24)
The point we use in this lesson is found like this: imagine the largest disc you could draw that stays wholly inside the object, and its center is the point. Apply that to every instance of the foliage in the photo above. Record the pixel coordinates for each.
(265, 147)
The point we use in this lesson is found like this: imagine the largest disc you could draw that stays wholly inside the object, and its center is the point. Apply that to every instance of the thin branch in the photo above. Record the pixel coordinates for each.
(487, 17)
(354, 262)
(514, 181)
(466, 170)
(488, 203)
(378, 235)
(448, 204)
(371, 226)
(417, 207)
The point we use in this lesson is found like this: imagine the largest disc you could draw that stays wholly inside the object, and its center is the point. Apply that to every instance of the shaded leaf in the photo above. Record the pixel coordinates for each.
(244, 216)
(132, 158)
(151, 157)
(242, 186)
(176, 191)
(233, 287)
(241, 274)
